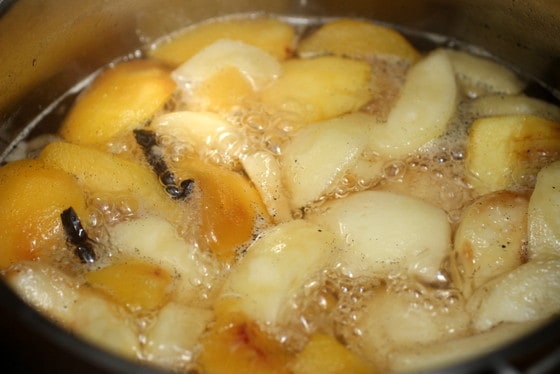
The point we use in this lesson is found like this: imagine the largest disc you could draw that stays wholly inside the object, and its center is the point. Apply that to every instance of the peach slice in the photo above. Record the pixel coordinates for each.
(134, 284)
(357, 39)
(271, 35)
(230, 206)
(236, 344)
(32, 197)
(320, 88)
(324, 354)
(257, 66)
(221, 92)
(82, 311)
(224, 73)
(110, 175)
(121, 98)
(154, 239)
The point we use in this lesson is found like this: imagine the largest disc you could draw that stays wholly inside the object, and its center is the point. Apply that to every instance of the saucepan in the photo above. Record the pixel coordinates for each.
(46, 46)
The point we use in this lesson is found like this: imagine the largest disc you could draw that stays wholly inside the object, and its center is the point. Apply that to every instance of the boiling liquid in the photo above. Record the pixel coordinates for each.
(331, 302)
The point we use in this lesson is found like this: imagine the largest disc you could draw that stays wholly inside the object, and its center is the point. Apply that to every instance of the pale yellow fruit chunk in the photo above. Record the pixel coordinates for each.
(414, 179)
(409, 318)
(224, 74)
(441, 354)
(276, 267)
(134, 284)
(257, 66)
(507, 152)
(271, 35)
(32, 197)
(324, 354)
(45, 287)
(264, 171)
(120, 99)
(81, 310)
(505, 105)
(544, 217)
(357, 39)
(479, 75)
(527, 293)
(490, 239)
(105, 324)
(423, 110)
(387, 233)
(317, 89)
(171, 341)
(204, 132)
(319, 154)
(155, 239)
(109, 175)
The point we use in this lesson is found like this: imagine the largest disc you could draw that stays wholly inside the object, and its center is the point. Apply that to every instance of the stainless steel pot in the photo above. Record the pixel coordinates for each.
(48, 45)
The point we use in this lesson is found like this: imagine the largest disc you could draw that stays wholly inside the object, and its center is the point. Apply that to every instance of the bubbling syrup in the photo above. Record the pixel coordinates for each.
(332, 301)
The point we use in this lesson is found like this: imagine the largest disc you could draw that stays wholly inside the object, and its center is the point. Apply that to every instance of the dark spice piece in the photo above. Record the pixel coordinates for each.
(77, 236)
(148, 141)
